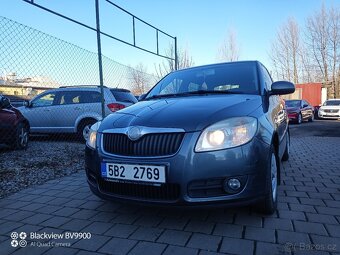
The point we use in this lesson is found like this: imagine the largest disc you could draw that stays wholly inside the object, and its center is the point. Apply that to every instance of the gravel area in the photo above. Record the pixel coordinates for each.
(42, 161)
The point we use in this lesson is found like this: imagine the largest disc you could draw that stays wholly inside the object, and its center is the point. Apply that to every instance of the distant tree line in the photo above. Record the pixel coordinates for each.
(310, 53)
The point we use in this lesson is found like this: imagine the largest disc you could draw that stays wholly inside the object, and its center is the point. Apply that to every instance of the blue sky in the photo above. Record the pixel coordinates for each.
(199, 25)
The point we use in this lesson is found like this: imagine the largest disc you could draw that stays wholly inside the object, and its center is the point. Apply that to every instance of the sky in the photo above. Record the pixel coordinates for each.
(200, 26)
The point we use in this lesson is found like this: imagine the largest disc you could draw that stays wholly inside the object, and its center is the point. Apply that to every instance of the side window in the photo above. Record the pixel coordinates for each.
(267, 79)
(44, 100)
(90, 97)
(69, 97)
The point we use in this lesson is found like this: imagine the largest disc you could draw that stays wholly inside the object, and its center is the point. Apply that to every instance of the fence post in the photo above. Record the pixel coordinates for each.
(100, 64)
(176, 56)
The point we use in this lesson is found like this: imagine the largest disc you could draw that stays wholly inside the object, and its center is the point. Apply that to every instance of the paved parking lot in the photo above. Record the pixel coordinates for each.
(307, 221)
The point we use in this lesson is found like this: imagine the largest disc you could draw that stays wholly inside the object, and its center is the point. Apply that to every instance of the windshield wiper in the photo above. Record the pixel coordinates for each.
(196, 92)
(161, 96)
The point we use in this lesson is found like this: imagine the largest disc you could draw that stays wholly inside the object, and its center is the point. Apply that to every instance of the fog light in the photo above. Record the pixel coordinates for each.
(234, 184)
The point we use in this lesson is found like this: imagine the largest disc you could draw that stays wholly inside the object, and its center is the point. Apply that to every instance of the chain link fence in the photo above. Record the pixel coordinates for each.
(34, 65)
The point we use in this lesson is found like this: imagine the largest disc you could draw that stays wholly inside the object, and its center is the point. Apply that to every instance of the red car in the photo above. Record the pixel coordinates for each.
(299, 110)
(14, 128)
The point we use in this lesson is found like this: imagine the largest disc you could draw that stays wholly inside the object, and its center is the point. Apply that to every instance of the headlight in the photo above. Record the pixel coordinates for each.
(227, 134)
(91, 141)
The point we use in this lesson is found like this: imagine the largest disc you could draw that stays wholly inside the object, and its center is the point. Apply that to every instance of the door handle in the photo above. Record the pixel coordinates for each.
(77, 108)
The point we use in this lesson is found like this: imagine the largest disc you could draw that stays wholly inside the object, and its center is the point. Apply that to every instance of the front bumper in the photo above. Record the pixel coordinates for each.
(326, 115)
(293, 116)
(191, 178)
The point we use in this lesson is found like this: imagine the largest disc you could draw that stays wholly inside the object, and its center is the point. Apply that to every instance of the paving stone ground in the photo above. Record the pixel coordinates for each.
(307, 220)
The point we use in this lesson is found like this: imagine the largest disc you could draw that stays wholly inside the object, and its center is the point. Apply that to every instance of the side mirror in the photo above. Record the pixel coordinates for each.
(282, 88)
(141, 97)
(4, 102)
(27, 103)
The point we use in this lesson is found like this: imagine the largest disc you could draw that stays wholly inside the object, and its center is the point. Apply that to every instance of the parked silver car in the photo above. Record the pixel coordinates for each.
(330, 109)
(73, 109)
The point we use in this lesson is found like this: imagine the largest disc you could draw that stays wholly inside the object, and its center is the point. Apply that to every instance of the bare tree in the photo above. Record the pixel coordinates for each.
(323, 38)
(286, 51)
(334, 37)
(229, 50)
(140, 79)
(184, 60)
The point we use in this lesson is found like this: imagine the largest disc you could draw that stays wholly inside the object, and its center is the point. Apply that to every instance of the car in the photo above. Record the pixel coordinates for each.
(299, 110)
(73, 109)
(14, 128)
(206, 135)
(330, 109)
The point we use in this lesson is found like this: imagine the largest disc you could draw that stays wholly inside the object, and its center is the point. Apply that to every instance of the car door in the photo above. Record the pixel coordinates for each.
(38, 112)
(67, 110)
(276, 107)
(306, 110)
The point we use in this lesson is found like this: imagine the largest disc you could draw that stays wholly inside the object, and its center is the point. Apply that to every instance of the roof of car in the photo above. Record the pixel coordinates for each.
(89, 87)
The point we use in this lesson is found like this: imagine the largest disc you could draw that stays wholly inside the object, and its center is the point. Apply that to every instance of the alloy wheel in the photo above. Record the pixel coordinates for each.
(273, 171)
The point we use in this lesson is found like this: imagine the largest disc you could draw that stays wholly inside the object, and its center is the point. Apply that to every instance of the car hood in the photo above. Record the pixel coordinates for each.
(293, 109)
(329, 107)
(189, 113)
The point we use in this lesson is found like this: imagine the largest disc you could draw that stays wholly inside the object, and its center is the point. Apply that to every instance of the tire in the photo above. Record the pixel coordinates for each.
(20, 141)
(269, 204)
(83, 129)
(299, 120)
(285, 156)
(311, 118)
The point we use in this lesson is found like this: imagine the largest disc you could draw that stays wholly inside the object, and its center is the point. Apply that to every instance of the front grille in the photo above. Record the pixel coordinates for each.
(148, 145)
(331, 111)
(165, 192)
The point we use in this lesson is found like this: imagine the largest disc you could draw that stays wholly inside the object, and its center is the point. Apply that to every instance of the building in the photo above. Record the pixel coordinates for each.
(314, 93)
(26, 87)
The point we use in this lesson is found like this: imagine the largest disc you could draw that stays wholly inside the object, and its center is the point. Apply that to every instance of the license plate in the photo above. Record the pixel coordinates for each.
(144, 173)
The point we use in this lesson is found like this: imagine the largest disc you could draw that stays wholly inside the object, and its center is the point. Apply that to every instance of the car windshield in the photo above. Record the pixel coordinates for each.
(293, 103)
(239, 78)
(332, 102)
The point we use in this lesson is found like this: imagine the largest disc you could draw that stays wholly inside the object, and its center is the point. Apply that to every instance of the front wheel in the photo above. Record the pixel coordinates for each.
(269, 203)
(299, 120)
(312, 118)
(84, 129)
(20, 141)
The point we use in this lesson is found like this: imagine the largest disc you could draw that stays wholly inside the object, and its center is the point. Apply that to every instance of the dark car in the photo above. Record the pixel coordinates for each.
(204, 135)
(299, 110)
(14, 128)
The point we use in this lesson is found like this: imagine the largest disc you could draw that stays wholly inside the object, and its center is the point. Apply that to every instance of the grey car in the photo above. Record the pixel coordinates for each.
(205, 135)
(73, 109)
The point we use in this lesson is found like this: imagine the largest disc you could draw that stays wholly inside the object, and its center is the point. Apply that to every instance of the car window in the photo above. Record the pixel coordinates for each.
(236, 77)
(332, 102)
(69, 97)
(123, 96)
(90, 97)
(44, 100)
(293, 103)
